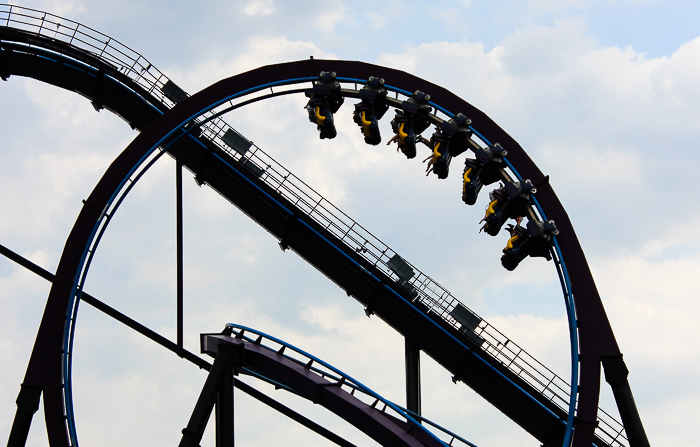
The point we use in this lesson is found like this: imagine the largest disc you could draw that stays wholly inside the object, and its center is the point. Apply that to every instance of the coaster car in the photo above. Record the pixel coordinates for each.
(324, 100)
(509, 201)
(372, 108)
(439, 160)
(448, 141)
(482, 170)
(458, 132)
(410, 122)
(534, 240)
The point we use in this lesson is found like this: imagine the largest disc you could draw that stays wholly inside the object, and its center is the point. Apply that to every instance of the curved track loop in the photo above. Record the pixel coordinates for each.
(596, 338)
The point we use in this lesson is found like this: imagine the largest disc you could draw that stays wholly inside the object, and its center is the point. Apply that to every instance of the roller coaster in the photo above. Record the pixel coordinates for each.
(190, 129)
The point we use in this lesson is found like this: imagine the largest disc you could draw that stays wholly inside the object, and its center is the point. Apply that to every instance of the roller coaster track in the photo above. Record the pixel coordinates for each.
(314, 378)
(75, 57)
(328, 372)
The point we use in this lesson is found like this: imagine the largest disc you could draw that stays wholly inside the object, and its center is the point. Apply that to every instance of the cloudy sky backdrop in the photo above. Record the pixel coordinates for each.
(603, 95)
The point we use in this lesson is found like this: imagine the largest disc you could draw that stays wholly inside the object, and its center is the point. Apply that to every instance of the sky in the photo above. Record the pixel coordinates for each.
(603, 96)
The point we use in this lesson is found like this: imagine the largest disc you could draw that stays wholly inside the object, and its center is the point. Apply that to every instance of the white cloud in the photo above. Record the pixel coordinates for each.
(673, 81)
(376, 20)
(61, 8)
(651, 305)
(598, 165)
(259, 7)
(553, 6)
(327, 20)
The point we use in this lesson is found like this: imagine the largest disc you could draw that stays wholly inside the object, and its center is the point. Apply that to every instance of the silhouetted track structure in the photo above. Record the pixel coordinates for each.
(112, 76)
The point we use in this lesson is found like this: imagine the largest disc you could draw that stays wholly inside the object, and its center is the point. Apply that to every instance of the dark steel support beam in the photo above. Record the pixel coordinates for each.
(293, 415)
(3, 74)
(27, 405)
(26, 263)
(224, 405)
(187, 355)
(413, 401)
(29, 395)
(180, 282)
(192, 434)
(616, 373)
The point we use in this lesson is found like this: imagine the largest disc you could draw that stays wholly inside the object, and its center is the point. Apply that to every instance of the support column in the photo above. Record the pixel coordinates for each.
(217, 390)
(27, 405)
(224, 405)
(413, 402)
(180, 283)
(616, 373)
